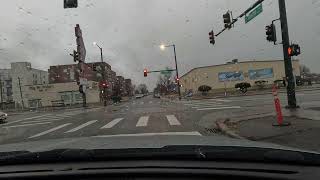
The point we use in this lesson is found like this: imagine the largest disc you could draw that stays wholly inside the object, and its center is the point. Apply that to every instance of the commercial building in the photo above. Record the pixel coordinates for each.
(58, 94)
(229, 74)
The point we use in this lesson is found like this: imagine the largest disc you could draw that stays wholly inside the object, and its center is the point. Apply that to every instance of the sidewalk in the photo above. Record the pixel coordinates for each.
(303, 133)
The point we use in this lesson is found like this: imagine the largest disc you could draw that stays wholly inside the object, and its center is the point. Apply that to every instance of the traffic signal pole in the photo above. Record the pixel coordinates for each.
(291, 94)
(103, 77)
(177, 73)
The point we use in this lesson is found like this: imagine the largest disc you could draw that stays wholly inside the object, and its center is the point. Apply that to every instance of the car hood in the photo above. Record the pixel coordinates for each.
(136, 141)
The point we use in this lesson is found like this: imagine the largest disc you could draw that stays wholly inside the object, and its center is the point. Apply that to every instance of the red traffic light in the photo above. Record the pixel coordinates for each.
(145, 73)
(290, 51)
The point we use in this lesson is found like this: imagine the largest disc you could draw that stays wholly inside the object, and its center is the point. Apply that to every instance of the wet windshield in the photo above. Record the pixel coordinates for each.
(245, 71)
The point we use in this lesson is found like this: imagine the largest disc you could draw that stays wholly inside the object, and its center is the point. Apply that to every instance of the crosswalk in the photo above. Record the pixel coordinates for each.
(70, 127)
(209, 104)
(46, 119)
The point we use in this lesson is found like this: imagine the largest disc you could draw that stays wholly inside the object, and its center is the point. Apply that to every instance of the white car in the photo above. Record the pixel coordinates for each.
(3, 116)
(138, 96)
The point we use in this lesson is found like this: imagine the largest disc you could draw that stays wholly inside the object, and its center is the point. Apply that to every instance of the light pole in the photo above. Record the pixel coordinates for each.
(102, 73)
(163, 47)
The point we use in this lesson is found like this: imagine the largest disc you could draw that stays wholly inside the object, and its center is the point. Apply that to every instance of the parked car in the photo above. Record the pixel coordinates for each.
(3, 116)
(157, 95)
(138, 96)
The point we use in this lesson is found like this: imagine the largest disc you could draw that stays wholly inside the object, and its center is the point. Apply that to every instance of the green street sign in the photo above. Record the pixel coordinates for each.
(166, 72)
(254, 13)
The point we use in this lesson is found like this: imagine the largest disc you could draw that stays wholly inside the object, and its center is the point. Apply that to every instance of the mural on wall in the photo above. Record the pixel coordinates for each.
(231, 76)
(261, 73)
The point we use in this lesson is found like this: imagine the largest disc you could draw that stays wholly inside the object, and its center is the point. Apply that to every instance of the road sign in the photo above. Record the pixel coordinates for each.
(166, 72)
(81, 49)
(254, 13)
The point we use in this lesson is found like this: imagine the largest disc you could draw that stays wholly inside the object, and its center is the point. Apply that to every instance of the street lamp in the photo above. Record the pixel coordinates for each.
(163, 47)
(102, 73)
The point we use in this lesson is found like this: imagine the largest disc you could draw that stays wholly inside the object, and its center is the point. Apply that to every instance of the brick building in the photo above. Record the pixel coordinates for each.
(128, 87)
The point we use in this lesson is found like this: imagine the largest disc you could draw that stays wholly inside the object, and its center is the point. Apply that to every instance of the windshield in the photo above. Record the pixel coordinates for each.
(169, 71)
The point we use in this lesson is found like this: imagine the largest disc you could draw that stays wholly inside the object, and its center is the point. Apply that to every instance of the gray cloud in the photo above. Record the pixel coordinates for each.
(42, 32)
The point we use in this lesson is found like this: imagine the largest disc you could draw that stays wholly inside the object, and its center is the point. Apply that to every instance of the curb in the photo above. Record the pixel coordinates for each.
(225, 130)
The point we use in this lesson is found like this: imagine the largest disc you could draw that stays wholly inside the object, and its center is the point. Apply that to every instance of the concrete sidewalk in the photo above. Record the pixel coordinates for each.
(303, 133)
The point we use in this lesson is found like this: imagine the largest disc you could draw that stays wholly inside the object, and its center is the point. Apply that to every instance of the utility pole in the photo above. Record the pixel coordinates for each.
(177, 73)
(291, 94)
(21, 93)
(1, 93)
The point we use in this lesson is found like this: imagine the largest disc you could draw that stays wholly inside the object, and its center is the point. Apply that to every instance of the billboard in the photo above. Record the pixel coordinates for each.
(231, 76)
(261, 73)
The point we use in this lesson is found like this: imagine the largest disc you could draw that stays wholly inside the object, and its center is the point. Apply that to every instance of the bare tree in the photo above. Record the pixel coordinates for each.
(304, 69)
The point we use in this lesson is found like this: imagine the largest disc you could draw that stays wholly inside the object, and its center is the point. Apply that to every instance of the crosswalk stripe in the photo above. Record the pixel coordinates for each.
(112, 123)
(23, 125)
(34, 117)
(173, 121)
(81, 126)
(39, 121)
(143, 121)
(50, 130)
(222, 100)
(219, 108)
(49, 118)
(213, 103)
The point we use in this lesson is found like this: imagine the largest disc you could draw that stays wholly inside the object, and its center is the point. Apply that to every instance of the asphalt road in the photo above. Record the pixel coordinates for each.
(139, 117)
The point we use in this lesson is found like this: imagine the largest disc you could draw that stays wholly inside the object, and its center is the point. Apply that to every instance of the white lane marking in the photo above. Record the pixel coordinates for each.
(212, 103)
(40, 121)
(150, 102)
(23, 125)
(207, 106)
(63, 115)
(27, 119)
(173, 121)
(81, 126)
(219, 108)
(192, 133)
(49, 118)
(220, 100)
(143, 121)
(112, 123)
(142, 103)
(49, 131)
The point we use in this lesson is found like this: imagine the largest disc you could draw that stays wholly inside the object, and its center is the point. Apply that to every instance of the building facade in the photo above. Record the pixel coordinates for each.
(228, 75)
(5, 86)
(24, 75)
(70, 72)
(58, 94)
(128, 87)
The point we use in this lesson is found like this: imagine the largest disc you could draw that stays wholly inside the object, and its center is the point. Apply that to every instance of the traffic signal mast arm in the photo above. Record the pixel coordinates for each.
(243, 14)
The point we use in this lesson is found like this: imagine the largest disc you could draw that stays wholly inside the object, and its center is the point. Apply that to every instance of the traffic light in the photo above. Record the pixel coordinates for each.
(177, 79)
(70, 4)
(294, 50)
(211, 37)
(271, 33)
(145, 73)
(75, 56)
(227, 20)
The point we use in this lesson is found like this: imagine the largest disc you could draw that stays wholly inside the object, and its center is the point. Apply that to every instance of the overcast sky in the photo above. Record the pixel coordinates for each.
(130, 31)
